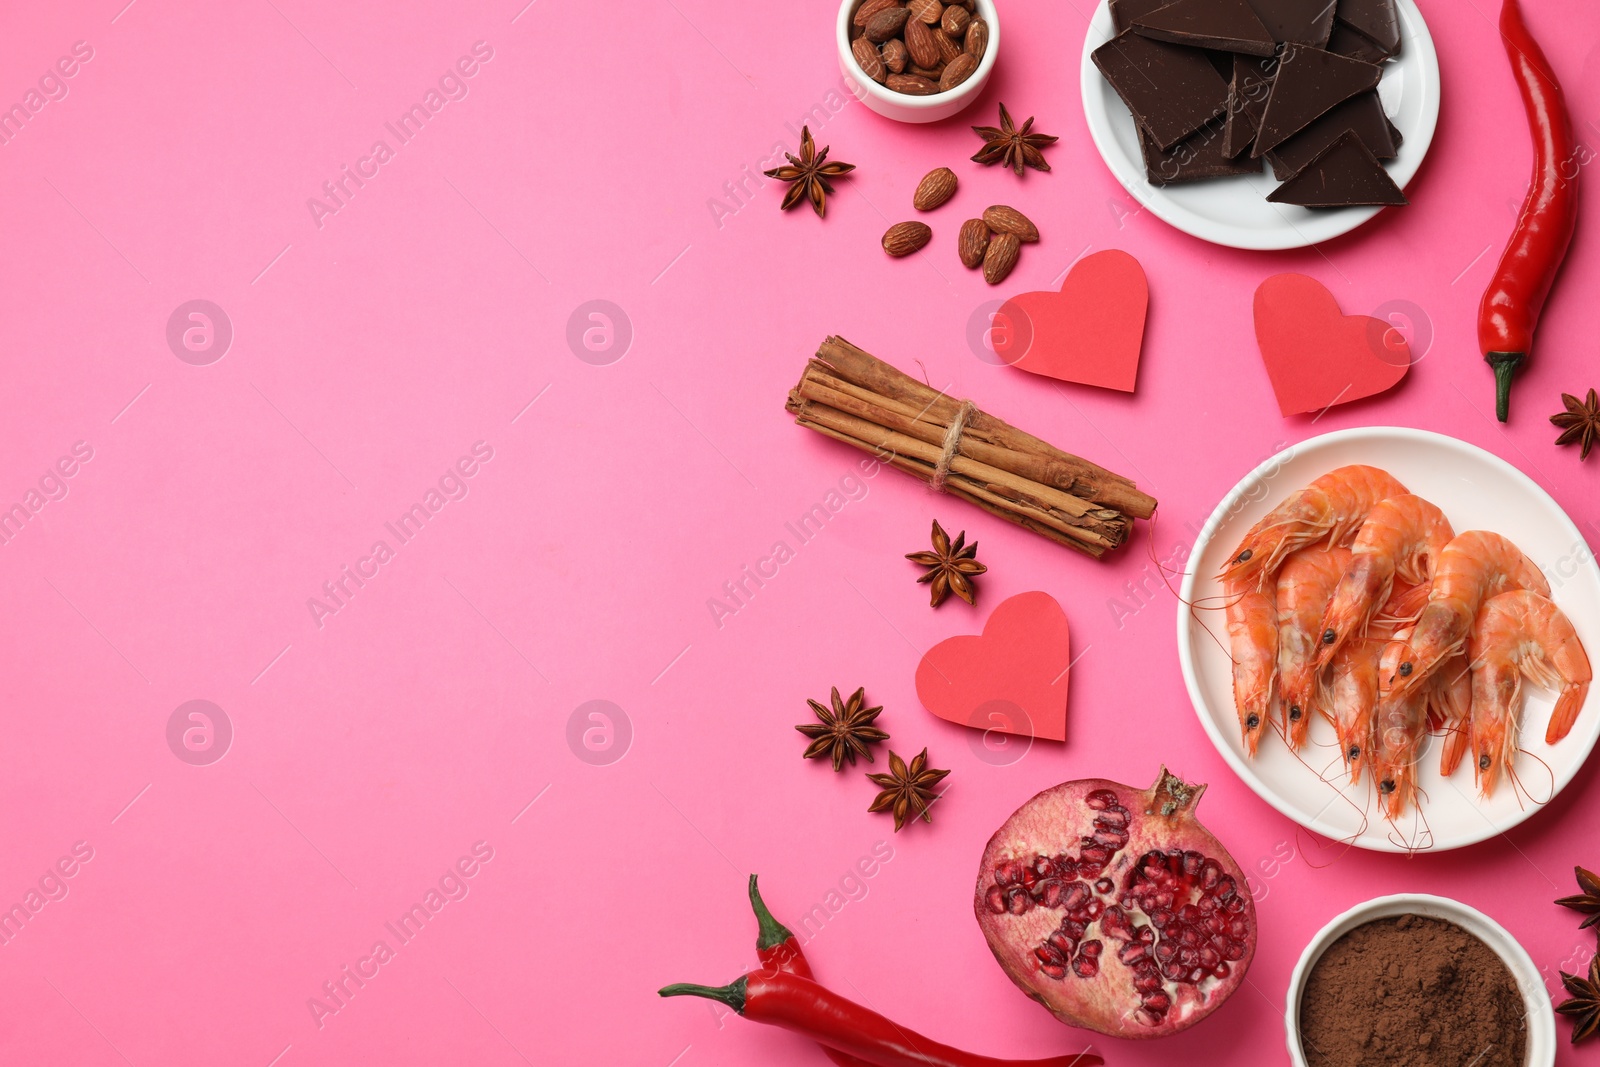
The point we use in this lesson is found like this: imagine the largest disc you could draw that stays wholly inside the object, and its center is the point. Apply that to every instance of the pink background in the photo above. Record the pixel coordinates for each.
(372, 752)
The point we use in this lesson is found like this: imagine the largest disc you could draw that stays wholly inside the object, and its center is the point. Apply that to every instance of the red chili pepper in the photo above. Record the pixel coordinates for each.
(801, 1005)
(779, 951)
(1512, 304)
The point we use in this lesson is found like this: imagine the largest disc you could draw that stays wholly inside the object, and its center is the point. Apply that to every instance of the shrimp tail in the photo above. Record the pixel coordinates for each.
(1457, 743)
(1568, 704)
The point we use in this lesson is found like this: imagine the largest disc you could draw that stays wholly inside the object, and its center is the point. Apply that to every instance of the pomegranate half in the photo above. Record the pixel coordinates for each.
(1114, 908)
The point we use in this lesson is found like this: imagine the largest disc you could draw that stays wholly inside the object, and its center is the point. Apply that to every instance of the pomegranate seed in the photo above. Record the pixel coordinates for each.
(1157, 1002)
(1074, 896)
(1029, 878)
(1163, 899)
(1115, 924)
(1216, 924)
(1147, 935)
(1063, 944)
(1052, 971)
(1240, 930)
(1172, 972)
(1219, 945)
(1210, 874)
(1018, 901)
(1091, 949)
(1188, 957)
(1115, 817)
(1197, 975)
(1166, 951)
(1085, 966)
(1074, 930)
(1222, 970)
(1094, 856)
(1043, 867)
(1105, 885)
(1146, 983)
(1008, 873)
(1235, 906)
(1093, 909)
(1064, 866)
(1049, 955)
(1111, 837)
(1210, 957)
(1192, 862)
(995, 899)
(1235, 951)
(1161, 918)
(1132, 952)
(1048, 893)
(1190, 937)
(1189, 914)
(1226, 888)
(1101, 799)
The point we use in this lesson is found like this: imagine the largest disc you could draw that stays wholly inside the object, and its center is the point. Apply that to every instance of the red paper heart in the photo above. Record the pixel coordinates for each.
(1089, 333)
(1318, 357)
(1012, 679)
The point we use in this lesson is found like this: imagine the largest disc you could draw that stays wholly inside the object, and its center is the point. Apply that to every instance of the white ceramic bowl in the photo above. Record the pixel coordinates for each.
(899, 106)
(1477, 491)
(1541, 1016)
(1235, 211)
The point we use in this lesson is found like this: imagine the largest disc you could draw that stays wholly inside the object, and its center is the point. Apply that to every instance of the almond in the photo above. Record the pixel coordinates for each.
(933, 74)
(1002, 219)
(954, 21)
(870, 8)
(928, 11)
(921, 44)
(948, 49)
(973, 242)
(911, 84)
(868, 59)
(957, 71)
(904, 238)
(977, 42)
(894, 55)
(935, 189)
(1000, 257)
(886, 23)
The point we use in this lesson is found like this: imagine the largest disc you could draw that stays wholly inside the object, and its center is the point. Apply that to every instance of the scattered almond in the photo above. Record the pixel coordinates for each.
(954, 21)
(870, 8)
(1003, 219)
(886, 24)
(957, 71)
(912, 84)
(928, 11)
(999, 258)
(921, 44)
(973, 242)
(935, 189)
(868, 59)
(977, 40)
(904, 238)
(894, 55)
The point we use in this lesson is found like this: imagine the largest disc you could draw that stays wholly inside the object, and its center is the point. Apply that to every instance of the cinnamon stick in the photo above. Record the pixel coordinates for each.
(854, 397)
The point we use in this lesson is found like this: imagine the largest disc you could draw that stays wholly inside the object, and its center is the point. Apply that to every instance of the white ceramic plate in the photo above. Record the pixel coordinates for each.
(1235, 211)
(1476, 491)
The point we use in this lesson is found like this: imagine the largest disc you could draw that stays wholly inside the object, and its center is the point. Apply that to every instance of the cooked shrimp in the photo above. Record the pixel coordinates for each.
(1452, 706)
(1400, 613)
(1521, 634)
(1399, 732)
(1330, 509)
(1402, 537)
(1253, 642)
(1305, 583)
(1349, 696)
(1472, 568)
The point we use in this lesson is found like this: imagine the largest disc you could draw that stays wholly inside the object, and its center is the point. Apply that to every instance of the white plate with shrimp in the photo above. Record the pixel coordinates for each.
(1476, 491)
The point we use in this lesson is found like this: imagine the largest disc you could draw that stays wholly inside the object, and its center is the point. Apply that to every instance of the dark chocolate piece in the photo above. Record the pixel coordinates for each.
(1310, 82)
(1201, 155)
(1247, 99)
(1362, 115)
(1123, 12)
(1345, 174)
(1376, 20)
(1171, 90)
(1296, 21)
(1225, 25)
(1354, 45)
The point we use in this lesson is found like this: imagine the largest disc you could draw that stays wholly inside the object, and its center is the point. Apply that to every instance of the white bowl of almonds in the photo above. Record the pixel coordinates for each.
(917, 61)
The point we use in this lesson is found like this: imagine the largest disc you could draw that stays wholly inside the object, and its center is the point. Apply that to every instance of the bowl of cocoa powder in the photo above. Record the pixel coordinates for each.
(1418, 981)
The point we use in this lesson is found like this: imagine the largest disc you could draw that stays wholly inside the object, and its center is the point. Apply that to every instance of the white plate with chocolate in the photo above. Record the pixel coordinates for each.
(1262, 124)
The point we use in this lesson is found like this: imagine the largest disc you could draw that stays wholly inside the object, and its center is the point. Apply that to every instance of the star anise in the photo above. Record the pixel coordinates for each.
(1588, 901)
(1011, 147)
(809, 175)
(1584, 1007)
(844, 731)
(1580, 422)
(951, 567)
(907, 791)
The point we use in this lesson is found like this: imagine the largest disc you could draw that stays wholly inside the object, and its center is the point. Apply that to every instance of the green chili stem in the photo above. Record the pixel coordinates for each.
(1505, 365)
(773, 933)
(733, 994)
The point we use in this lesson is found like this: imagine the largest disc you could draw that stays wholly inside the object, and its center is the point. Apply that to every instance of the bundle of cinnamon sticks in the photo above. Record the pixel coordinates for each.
(854, 397)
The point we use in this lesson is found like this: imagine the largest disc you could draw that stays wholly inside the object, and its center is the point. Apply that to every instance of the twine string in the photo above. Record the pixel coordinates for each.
(952, 445)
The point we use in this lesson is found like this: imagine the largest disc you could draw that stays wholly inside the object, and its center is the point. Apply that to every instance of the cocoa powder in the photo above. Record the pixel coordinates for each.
(1411, 992)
